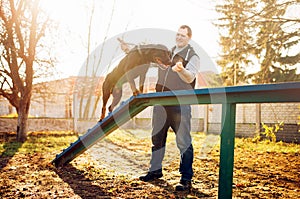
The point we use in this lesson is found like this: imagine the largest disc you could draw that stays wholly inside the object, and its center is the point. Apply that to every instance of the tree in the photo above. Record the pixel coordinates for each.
(235, 39)
(22, 29)
(88, 101)
(258, 32)
(273, 41)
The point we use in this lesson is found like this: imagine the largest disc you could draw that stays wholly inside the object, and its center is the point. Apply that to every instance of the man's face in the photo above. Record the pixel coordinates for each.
(182, 38)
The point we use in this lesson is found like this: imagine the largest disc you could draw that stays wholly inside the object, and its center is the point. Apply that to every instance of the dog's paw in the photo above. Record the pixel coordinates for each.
(135, 93)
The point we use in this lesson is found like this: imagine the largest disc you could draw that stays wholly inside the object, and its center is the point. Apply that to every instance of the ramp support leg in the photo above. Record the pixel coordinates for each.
(227, 150)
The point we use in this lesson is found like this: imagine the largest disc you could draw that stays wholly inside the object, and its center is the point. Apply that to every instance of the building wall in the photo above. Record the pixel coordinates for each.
(290, 132)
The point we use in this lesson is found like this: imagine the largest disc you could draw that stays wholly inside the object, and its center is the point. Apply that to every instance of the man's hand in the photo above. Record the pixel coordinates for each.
(178, 67)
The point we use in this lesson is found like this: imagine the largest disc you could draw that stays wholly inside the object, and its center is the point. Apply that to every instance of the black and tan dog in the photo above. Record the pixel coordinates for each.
(135, 64)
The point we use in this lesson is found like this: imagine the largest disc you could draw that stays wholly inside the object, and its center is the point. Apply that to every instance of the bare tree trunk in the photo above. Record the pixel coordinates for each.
(22, 127)
(23, 112)
(96, 104)
(86, 112)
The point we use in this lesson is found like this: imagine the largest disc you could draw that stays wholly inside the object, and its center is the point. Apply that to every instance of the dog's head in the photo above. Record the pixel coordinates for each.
(161, 55)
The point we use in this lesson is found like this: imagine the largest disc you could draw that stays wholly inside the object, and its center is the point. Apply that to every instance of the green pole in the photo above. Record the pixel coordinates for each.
(227, 151)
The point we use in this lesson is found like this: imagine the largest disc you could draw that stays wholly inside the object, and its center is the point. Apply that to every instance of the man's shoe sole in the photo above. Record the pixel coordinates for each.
(155, 177)
(183, 186)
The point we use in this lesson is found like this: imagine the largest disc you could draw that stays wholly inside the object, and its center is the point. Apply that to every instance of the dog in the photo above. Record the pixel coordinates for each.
(135, 64)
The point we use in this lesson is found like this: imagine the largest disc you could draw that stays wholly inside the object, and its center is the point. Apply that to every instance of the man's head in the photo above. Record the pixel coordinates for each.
(183, 36)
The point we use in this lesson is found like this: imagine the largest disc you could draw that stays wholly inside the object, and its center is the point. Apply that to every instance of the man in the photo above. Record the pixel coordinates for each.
(181, 76)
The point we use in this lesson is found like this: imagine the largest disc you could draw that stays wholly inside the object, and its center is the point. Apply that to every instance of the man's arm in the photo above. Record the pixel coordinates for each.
(188, 74)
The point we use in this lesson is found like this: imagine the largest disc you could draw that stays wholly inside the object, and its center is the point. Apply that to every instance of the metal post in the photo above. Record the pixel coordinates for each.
(75, 112)
(227, 150)
(206, 115)
(258, 118)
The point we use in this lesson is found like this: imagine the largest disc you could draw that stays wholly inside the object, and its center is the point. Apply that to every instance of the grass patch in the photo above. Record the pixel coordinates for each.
(9, 149)
(266, 146)
(39, 142)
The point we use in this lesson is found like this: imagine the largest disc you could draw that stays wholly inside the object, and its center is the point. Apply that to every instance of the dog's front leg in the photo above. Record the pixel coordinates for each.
(131, 82)
(117, 94)
(142, 82)
(135, 91)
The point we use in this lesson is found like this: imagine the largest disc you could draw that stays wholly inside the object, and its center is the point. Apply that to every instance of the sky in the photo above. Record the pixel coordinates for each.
(126, 15)
(116, 17)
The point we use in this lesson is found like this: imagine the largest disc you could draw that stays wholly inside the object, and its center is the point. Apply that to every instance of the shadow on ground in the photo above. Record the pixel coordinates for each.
(179, 194)
(11, 147)
(80, 184)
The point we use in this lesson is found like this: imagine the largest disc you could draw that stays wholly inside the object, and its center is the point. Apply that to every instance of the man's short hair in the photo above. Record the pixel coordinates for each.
(188, 29)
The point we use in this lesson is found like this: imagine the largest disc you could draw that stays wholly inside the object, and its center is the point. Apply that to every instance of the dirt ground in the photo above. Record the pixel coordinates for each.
(110, 169)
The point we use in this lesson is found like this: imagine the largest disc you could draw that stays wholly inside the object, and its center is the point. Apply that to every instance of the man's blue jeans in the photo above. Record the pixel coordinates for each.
(179, 119)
